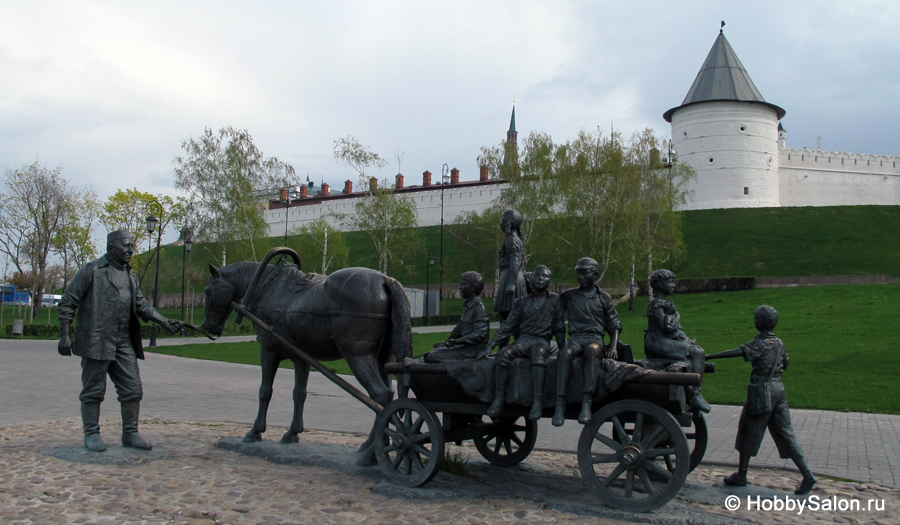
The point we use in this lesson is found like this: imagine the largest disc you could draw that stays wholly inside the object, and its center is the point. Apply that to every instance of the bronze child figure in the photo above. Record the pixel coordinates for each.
(665, 339)
(537, 317)
(766, 405)
(591, 315)
(108, 337)
(511, 284)
(469, 338)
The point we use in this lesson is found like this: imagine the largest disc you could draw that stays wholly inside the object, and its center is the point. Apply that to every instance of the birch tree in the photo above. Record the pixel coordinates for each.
(225, 177)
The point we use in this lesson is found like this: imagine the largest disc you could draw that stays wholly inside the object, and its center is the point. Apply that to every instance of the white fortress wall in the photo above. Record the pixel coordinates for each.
(733, 148)
(830, 178)
(457, 200)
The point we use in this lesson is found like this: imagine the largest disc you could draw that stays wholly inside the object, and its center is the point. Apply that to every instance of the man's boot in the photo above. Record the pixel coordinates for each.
(586, 411)
(739, 478)
(559, 417)
(499, 391)
(808, 481)
(537, 380)
(90, 418)
(130, 437)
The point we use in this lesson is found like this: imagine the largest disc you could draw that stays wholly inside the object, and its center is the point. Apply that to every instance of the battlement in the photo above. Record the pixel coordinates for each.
(838, 161)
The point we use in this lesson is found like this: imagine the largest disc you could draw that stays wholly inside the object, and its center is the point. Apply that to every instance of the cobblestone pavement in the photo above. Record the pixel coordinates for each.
(191, 481)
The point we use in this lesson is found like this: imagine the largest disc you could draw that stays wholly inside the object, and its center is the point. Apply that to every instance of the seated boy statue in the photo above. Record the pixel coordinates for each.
(769, 359)
(468, 340)
(665, 339)
(591, 314)
(537, 317)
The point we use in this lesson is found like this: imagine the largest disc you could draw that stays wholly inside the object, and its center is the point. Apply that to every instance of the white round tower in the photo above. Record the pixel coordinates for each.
(728, 134)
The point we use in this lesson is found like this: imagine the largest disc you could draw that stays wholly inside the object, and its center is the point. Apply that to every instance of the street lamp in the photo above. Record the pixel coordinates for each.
(428, 288)
(151, 226)
(188, 244)
(444, 178)
(670, 160)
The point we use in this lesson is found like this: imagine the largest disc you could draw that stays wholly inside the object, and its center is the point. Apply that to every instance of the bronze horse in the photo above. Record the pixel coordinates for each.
(357, 314)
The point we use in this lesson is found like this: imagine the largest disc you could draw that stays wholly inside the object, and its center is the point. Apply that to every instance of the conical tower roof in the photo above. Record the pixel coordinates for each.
(512, 119)
(722, 77)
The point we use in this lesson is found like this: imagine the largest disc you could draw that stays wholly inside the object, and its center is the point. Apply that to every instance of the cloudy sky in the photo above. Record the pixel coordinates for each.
(108, 90)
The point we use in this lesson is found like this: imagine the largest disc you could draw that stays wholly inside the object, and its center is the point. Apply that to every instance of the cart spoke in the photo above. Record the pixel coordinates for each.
(393, 434)
(390, 448)
(629, 483)
(654, 452)
(489, 437)
(418, 461)
(395, 420)
(417, 426)
(516, 439)
(422, 450)
(653, 438)
(497, 444)
(638, 427)
(396, 461)
(607, 441)
(649, 465)
(604, 458)
(669, 464)
(620, 430)
(421, 438)
(407, 419)
(508, 446)
(645, 479)
(407, 465)
(614, 475)
(519, 428)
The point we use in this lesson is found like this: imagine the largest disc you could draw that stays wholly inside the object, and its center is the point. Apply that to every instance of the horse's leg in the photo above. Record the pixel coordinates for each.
(366, 370)
(301, 377)
(269, 361)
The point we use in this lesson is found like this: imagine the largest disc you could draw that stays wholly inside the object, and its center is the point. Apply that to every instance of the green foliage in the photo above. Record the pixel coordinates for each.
(783, 242)
(319, 241)
(593, 196)
(224, 175)
(456, 461)
(128, 210)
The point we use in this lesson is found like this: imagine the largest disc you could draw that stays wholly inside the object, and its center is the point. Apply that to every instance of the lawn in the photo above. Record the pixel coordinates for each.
(843, 356)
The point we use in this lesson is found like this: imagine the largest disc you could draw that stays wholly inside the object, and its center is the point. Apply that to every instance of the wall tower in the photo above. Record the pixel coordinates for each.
(728, 133)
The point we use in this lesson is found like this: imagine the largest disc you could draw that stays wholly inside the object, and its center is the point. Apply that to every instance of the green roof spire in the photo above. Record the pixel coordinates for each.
(512, 120)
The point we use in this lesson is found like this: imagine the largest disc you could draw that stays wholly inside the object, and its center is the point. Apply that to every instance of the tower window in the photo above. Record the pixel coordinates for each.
(685, 134)
(743, 129)
(711, 160)
(746, 190)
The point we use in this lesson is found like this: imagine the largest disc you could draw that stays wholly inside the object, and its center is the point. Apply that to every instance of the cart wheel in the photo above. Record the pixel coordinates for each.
(699, 435)
(617, 469)
(409, 443)
(509, 441)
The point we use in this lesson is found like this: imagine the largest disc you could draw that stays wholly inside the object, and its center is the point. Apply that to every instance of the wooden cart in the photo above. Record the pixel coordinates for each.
(634, 454)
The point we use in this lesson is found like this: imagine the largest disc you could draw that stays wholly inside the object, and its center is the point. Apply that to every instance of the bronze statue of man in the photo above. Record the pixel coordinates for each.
(591, 315)
(665, 339)
(109, 303)
(769, 409)
(469, 338)
(537, 318)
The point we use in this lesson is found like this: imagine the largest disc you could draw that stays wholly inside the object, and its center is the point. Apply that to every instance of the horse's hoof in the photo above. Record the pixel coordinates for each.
(252, 438)
(290, 437)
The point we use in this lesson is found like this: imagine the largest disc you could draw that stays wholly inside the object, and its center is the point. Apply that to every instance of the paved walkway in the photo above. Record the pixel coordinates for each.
(37, 384)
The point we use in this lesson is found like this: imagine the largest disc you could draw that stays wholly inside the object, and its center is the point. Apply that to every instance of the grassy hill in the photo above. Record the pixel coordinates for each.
(786, 242)
(762, 242)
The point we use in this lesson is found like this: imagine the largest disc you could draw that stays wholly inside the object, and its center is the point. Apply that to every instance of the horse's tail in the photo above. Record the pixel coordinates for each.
(401, 327)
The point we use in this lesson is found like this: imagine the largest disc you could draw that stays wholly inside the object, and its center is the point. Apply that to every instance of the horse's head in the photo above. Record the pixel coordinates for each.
(219, 295)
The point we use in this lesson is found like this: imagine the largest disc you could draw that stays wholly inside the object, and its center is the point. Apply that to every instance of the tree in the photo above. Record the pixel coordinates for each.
(128, 210)
(321, 241)
(74, 241)
(224, 176)
(31, 213)
(388, 218)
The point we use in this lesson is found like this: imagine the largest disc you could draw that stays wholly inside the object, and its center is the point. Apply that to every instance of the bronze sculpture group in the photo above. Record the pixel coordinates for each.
(367, 323)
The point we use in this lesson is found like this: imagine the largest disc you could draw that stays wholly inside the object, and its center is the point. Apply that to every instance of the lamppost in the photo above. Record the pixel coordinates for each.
(428, 288)
(151, 226)
(188, 243)
(444, 178)
(670, 160)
